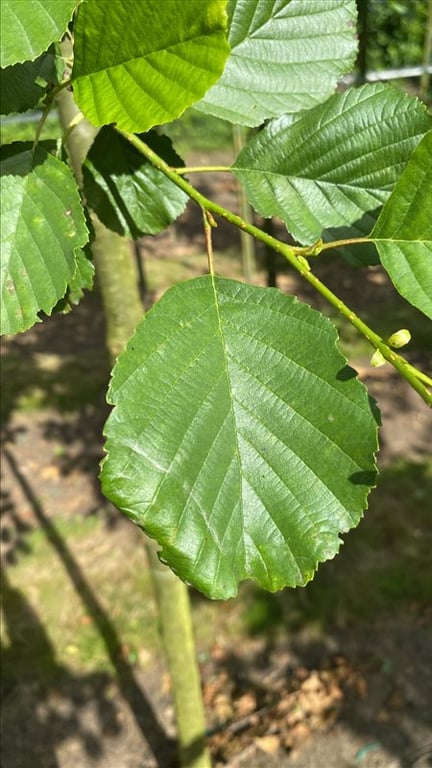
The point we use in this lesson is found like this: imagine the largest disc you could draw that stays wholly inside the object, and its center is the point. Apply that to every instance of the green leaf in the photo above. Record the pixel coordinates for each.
(83, 276)
(28, 27)
(334, 165)
(286, 56)
(239, 438)
(141, 64)
(42, 226)
(129, 195)
(21, 86)
(82, 280)
(403, 232)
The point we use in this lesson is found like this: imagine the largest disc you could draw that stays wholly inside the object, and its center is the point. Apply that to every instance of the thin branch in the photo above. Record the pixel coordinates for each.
(247, 244)
(420, 375)
(296, 257)
(41, 123)
(50, 99)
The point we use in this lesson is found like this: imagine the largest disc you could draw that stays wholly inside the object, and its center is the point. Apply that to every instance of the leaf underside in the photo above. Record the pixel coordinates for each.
(240, 440)
(286, 56)
(403, 232)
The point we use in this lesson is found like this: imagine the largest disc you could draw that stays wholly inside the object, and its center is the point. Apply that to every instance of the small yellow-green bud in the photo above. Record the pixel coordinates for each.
(399, 338)
(377, 359)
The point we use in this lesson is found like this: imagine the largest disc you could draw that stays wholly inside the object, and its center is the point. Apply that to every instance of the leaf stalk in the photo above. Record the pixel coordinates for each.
(202, 169)
(209, 222)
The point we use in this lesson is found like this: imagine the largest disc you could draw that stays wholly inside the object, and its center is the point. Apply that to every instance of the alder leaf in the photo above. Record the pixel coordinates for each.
(140, 64)
(403, 232)
(239, 439)
(23, 85)
(83, 276)
(42, 225)
(286, 56)
(336, 163)
(129, 195)
(82, 280)
(29, 28)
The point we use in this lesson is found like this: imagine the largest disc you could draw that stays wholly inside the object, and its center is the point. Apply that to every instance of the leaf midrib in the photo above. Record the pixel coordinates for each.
(228, 380)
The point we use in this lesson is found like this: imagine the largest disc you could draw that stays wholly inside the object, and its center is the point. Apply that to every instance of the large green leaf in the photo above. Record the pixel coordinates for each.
(240, 440)
(129, 194)
(334, 165)
(139, 64)
(403, 232)
(41, 226)
(28, 27)
(286, 55)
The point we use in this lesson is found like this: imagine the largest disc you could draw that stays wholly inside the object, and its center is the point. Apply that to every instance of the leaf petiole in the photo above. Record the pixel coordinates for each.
(202, 169)
(209, 222)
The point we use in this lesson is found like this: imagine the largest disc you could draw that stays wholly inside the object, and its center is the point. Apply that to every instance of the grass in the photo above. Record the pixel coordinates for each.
(49, 633)
(42, 634)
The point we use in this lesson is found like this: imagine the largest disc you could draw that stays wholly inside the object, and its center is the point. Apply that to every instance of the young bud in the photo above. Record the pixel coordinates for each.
(399, 338)
(377, 359)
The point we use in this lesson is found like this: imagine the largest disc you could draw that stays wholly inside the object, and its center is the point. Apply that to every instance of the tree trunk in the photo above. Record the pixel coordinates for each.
(425, 92)
(363, 12)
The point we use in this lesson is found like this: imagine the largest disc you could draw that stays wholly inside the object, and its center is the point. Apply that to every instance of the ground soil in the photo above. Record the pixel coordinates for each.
(360, 696)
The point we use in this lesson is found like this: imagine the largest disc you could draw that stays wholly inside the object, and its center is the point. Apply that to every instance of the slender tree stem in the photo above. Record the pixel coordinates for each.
(296, 257)
(50, 101)
(420, 375)
(61, 86)
(425, 80)
(41, 123)
(247, 243)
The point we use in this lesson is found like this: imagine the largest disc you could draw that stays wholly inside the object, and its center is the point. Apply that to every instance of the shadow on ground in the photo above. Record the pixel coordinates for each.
(48, 724)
